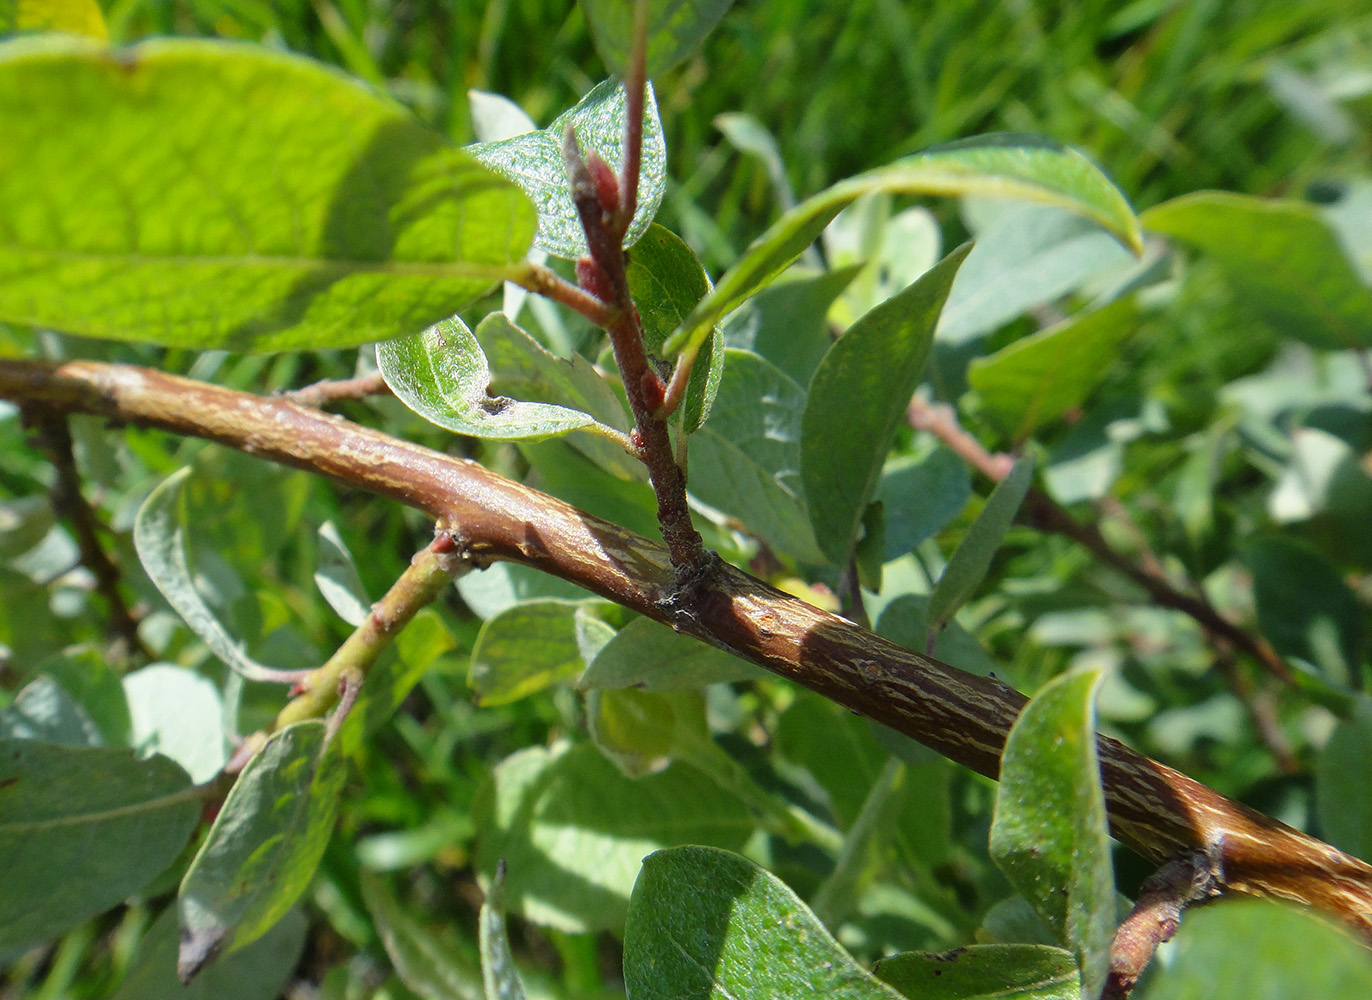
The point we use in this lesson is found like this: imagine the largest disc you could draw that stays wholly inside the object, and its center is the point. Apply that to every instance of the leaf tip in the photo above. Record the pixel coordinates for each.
(198, 948)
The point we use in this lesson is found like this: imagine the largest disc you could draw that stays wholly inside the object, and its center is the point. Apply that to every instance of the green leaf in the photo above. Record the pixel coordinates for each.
(856, 401)
(337, 577)
(258, 972)
(1251, 949)
(985, 972)
(970, 563)
(534, 162)
(653, 657)
(674, 30)
(1040, 378)
(707, 923)
(524, 649)
(1343, 773)
(71, 846)
(573, 830)
(75, 17)
(42, 710)
(1027, 255)
(1304, 607)
(487, 592)
(1285, 258)
(666, 281)
(179, 714)
(426, 959)
(210, 194)
(443, 375)
(1006, 166)
(746, 461)
(418, 647)
(919, 496)
(498, 972)
(85, 675)
(1049, 834)
(159, 537)
(262, 851)
(905, 621)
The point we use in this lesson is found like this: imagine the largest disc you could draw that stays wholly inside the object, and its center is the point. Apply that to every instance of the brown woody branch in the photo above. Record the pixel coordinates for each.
(1158, 812)
(1048, 515)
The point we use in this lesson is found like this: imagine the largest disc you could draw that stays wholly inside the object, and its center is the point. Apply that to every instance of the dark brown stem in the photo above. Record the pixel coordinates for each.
(1156, 811)
(643, 386)
(1184, 880)
(1047, 514)
(53, 437)
(327, 391)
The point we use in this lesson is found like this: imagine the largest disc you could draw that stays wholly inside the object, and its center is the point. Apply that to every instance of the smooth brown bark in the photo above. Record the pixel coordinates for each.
(1156, 811)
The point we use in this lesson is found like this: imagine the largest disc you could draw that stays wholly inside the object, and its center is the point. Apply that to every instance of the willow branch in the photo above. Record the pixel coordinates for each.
(1156, 811)
(1048, 515)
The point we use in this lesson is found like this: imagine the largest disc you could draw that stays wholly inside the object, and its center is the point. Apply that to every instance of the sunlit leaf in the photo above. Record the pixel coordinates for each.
(443, 375)
(207, 194)
(534, 162)
(652, 657)
(1023, 167)
(531, 645)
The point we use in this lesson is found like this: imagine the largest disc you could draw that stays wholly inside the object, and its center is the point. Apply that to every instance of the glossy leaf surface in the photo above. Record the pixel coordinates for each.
(534, 162)
(707, 923)
(206, 194)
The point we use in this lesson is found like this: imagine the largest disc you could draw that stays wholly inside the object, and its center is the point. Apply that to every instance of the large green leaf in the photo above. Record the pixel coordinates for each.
(856, 401)
(573, 830)
(1024, 167)
(443, 375)
(1284, 256)
(1038, 379)
(746, 461)
(81, 829)
(985, 972)
(666, 281)
(206, 194)
(534, 161)
(42, 710)
(264, 846)
(1049, 834)
(1250, 949)
(707, 923)
(675, 28)
(919, 496)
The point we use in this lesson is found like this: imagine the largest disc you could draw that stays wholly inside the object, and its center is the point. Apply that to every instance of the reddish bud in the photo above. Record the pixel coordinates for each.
(654, 391)
(605, 182)
(591, 276)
